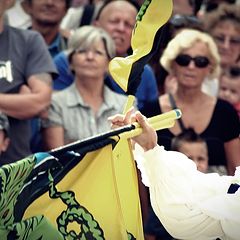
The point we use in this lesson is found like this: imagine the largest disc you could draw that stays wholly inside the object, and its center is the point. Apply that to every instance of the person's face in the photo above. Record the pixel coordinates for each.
(48, 12)
(118, 19)
(227, 38)
(182, 7)
(91, 62)
(191, 76)
(197, 152)
(229, 89)
(4, 142)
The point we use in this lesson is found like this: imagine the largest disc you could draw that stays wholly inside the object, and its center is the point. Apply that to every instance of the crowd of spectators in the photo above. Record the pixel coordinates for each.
(56, 88)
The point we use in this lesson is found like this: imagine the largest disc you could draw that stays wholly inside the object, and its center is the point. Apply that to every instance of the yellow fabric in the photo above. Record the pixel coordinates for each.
(127, 186)
(94, 184)
(152, 15)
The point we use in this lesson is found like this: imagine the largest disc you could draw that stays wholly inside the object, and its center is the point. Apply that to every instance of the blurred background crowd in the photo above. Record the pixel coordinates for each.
(56, 88)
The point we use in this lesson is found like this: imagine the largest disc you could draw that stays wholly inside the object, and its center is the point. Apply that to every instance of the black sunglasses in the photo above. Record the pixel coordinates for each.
(199, 61)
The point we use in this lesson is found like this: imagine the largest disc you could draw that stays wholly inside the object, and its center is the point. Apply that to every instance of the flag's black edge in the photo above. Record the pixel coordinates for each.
(68, 156)
(85, 143)
(138, 66)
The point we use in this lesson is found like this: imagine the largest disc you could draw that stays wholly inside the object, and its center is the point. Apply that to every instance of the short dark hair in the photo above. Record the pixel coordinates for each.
(68, 3)
(133, 2)
(188, 135)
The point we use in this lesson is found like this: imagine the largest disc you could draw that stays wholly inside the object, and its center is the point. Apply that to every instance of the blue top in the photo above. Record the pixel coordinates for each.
(146, 91)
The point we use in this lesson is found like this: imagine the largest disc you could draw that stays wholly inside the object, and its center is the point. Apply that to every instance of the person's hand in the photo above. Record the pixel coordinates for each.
(147, 139)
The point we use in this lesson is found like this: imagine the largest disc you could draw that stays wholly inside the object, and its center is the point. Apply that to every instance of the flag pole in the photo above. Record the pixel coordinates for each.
(129, 103)
(162, 121)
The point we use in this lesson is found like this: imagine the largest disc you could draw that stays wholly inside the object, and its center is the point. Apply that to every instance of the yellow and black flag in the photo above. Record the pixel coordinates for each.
(146, 37)
(127, 71)
(73, 192)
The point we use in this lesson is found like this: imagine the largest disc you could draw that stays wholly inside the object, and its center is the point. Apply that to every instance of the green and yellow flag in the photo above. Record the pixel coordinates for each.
(85, 190)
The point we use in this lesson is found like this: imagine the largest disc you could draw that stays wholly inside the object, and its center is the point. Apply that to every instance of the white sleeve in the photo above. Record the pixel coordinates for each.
(190, 204)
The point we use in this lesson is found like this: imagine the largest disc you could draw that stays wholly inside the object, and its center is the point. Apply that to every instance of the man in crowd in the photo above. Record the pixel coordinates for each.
(26, 74)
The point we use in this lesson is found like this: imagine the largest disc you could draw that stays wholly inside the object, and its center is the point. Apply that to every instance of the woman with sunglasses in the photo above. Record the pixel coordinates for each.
(191, 56)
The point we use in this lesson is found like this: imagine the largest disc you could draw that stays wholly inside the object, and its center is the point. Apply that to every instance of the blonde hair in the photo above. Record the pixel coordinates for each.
(184, 40)
(86, 36)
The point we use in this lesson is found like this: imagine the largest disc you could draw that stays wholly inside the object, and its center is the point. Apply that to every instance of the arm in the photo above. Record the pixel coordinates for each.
(26, 105)
(53, 137)
(190, 204)
(232, 150)
(52, 125)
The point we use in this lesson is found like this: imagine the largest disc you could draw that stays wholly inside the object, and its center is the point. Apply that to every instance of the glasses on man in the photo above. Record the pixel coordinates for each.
(185, 59)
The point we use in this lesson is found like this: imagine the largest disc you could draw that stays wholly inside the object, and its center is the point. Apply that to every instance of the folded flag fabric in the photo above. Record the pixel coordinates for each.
(146, 37)
(84, 190)
(70, 193)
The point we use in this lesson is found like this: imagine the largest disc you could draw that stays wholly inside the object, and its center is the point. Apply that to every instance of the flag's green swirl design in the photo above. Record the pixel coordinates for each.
(89, 227)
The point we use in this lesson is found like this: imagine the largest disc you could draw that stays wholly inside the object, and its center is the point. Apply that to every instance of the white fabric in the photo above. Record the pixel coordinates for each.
(190, 204)
(211, 87)
(17, 17)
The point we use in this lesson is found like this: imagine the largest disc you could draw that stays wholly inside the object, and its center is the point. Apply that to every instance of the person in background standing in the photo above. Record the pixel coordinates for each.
(26, 83)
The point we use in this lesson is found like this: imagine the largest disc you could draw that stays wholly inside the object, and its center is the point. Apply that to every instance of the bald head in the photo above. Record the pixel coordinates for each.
(118, 19)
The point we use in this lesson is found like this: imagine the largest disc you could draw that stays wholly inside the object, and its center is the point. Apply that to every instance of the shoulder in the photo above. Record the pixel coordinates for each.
(23, 33)
(148, 72)
(151, 108)
(164, 102)
(224, 106)
(25, 38)
(148, 68)
(60, 58)
(110, 95)
(63, 93)
(226, 117)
